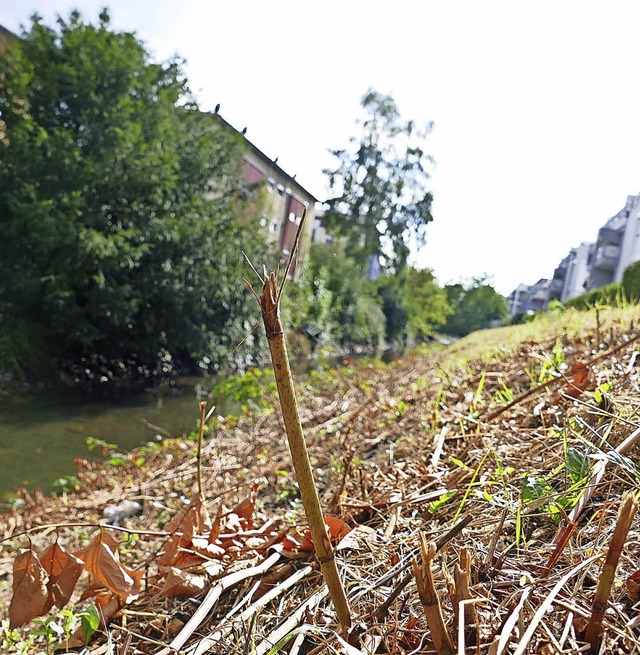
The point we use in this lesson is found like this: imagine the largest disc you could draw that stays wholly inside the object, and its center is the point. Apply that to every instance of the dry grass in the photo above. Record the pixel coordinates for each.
(390, 443)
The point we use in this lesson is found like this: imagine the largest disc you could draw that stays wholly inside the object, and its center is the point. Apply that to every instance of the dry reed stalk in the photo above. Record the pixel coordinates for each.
(429, 598)
(462, 578)
(270, 306)
(627, 511)
(219, 587)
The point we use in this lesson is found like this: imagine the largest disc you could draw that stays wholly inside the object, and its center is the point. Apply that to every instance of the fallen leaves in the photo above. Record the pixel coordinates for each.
(30, 591)
(579, 380)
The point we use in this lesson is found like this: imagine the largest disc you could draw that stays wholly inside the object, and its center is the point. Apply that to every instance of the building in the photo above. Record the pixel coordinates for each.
(589, 265)
(575, 271)
(6, 38)
(526, 299)
(283, 202)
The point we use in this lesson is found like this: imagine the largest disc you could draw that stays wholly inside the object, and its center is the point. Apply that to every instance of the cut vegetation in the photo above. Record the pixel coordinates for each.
(480, 498)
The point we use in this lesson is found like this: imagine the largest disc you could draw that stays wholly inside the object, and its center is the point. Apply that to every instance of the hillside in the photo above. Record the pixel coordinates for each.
(511, 450)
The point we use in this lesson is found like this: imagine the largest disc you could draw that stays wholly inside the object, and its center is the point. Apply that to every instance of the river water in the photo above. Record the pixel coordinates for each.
(41, 433)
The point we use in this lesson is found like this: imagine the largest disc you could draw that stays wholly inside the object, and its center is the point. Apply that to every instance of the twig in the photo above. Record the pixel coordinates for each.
(212, 597)
(546, 604)
(596, 476)
(399, 588)
(554, 381)
(224, 628)
(287, 626)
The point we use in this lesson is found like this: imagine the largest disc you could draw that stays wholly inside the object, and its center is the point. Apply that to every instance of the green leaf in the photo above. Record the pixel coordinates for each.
(577, 464)
(535, 488)
(435, 505)
(90, 622)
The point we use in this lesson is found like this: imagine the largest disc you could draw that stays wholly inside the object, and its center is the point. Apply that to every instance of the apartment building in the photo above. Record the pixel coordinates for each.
(282, 202)
(589, 265)
(6, 38)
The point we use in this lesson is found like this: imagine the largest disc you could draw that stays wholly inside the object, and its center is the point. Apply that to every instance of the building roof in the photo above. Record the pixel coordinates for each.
(7, 37)
(271, 163)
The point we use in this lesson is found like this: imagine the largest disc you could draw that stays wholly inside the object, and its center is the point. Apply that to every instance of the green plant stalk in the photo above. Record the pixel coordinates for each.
(627, 510)
(270, 307)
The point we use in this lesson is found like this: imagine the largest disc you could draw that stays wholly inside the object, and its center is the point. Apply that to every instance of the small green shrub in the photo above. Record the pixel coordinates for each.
(631, 282)
(610, 295)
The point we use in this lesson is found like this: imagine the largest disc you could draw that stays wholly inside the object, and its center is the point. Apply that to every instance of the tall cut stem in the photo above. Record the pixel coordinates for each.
(270, 306)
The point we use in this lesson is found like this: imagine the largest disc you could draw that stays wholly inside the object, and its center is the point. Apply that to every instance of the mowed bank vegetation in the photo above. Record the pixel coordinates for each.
(513, 452)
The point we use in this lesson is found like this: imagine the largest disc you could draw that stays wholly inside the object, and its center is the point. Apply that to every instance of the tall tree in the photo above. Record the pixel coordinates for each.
(117, 198)
(475, 306)
(380, 200)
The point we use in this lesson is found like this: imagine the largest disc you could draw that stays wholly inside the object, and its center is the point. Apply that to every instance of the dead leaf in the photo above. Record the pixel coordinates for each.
(245, 509)
(29, 589)
(204, 547)
(102, 564)
(633, 586)
(190, 520)
(336, 528)
(63, 569)
(579, 379)
(94, 588)
(182, 583)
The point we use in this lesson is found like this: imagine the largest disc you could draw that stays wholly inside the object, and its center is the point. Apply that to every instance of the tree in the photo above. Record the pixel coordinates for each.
(380, 200)
(475, 306)
(117, 201)
(413, 304)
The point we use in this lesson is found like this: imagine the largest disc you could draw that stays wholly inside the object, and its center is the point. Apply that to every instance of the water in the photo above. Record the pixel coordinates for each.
(41, 434)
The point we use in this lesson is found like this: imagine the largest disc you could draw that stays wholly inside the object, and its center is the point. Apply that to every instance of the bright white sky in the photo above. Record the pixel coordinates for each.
(535, 104)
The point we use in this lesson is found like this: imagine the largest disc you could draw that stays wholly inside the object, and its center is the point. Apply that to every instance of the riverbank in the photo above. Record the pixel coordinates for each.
(490, 431)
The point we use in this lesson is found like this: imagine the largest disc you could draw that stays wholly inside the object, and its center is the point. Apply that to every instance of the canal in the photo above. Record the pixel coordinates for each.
(41, 433)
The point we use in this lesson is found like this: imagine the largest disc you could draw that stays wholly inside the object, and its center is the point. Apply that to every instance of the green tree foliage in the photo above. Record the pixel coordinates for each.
(413, 304)
(330, 302)
(380, 200)
(117, 201)
(474, 306)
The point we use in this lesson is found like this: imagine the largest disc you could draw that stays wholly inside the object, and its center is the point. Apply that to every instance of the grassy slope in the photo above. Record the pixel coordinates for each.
(387, 442)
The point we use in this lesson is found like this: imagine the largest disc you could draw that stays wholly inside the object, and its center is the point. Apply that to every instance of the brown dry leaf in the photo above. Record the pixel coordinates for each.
(170, 551)
(336, 528)
(633, 586)
(29, 589)
(295, 545)
(190, 520)
(182, 583)
(94, 588)
(245, 509)
(579, 380)
(63, 569)
(215, 528)
(102, 564)
(202, 545)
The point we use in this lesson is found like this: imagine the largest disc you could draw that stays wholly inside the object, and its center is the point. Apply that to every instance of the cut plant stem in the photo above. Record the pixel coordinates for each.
(628, 508)
(270, 306)
(429, 598)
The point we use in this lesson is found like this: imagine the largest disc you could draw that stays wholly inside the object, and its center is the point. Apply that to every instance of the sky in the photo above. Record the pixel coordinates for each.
(536, 136)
